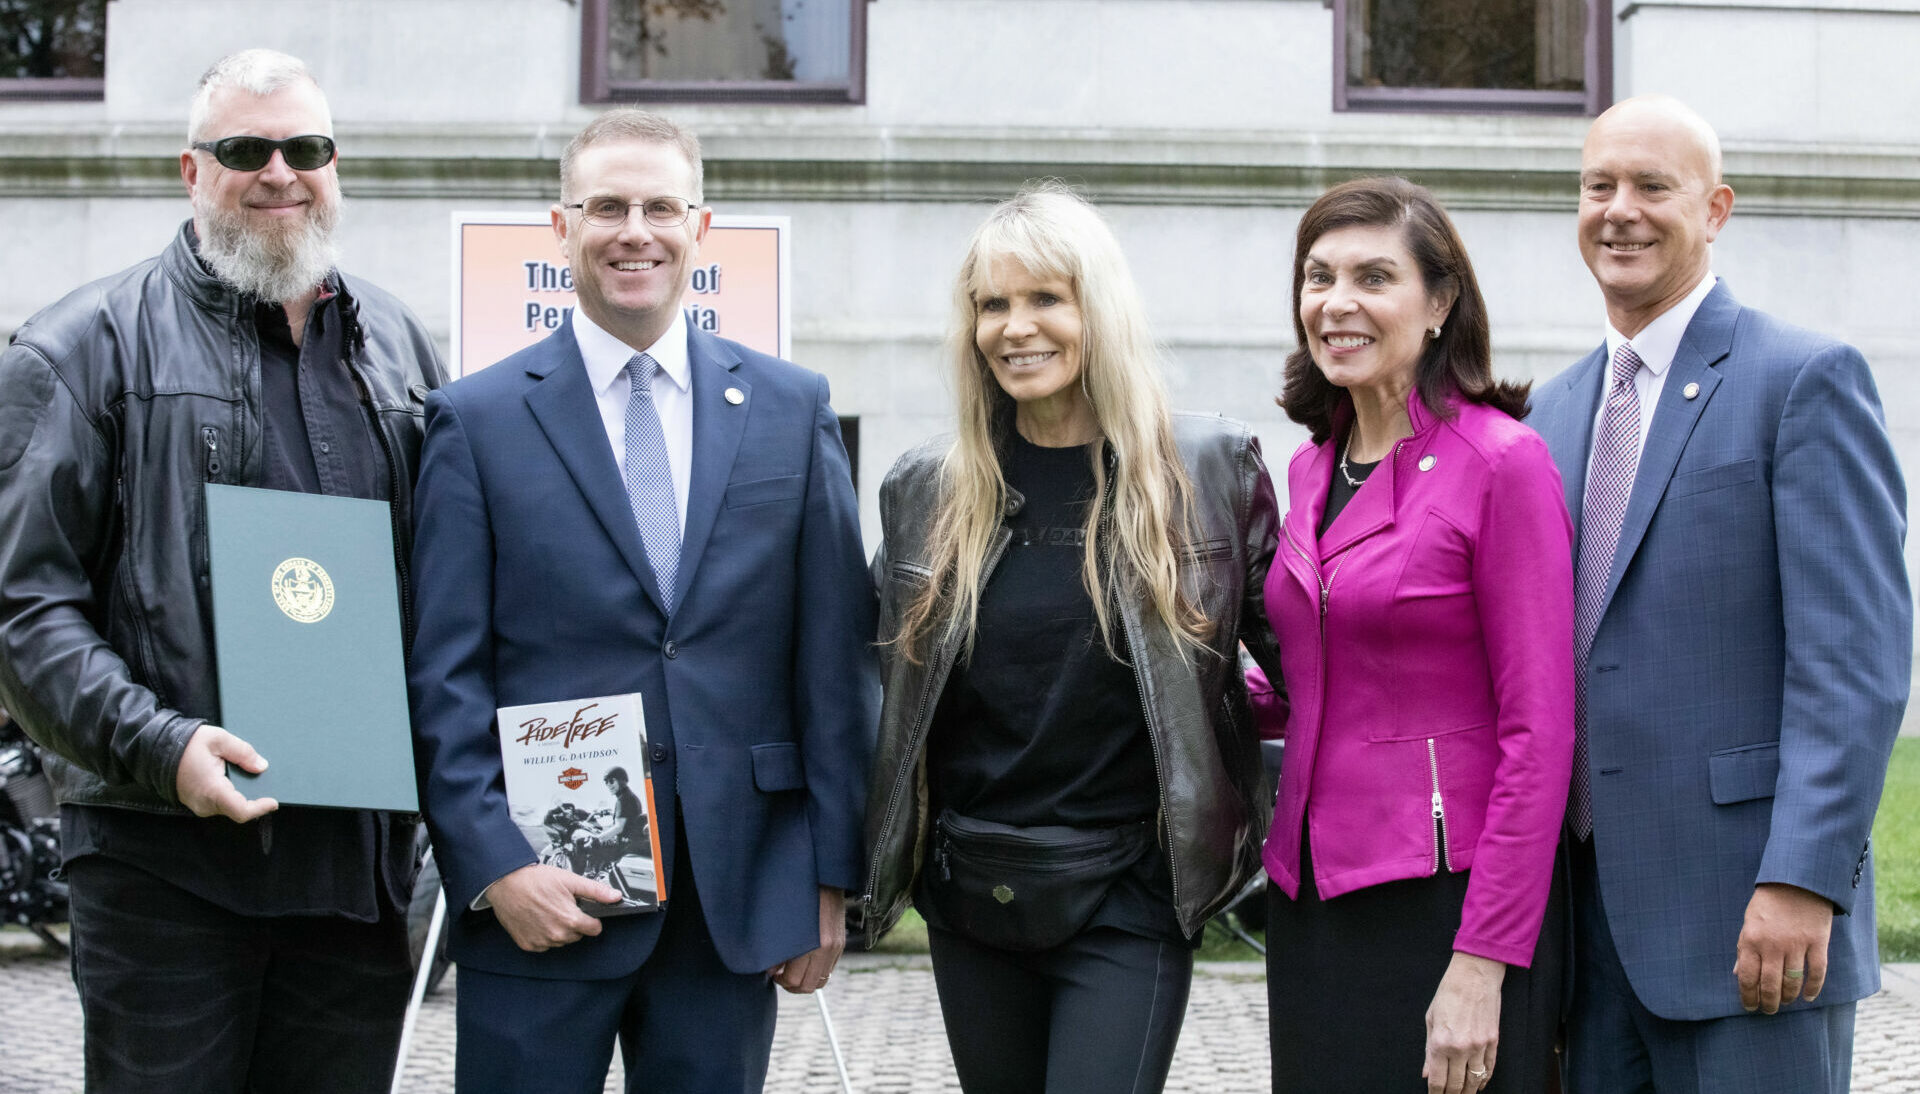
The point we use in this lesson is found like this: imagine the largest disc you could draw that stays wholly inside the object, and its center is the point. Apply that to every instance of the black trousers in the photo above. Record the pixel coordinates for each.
(1349, 981)
(1097, 1015)
(183, 995)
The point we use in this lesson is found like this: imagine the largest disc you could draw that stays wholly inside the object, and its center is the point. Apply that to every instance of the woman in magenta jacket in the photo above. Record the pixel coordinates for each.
(1423, 599)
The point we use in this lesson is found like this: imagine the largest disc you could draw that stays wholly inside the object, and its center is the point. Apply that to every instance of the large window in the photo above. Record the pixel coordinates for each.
(53, 49)
(1544, 56)
(766, 50)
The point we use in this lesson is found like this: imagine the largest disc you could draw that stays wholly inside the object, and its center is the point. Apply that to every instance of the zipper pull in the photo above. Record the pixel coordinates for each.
(946, 873)
(1438, 811)
(1325, 591)
(212, 440)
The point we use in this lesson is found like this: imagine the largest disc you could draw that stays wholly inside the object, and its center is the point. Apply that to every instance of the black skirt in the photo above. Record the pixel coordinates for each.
(1349, 982)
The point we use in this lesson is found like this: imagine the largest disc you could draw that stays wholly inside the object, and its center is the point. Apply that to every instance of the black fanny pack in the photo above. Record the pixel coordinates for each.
(1025, 888)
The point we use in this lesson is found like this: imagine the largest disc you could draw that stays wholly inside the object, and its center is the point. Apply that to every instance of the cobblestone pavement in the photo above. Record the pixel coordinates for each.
(889, 1029)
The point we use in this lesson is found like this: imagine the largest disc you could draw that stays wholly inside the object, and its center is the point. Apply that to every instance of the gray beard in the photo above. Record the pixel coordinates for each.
(272, 266)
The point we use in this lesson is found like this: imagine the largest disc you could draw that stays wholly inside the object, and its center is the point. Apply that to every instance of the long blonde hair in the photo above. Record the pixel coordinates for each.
(1141, 518)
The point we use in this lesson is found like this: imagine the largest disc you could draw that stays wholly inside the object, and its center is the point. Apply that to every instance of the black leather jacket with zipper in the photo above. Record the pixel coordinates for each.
(1213, 804)
(117, 405)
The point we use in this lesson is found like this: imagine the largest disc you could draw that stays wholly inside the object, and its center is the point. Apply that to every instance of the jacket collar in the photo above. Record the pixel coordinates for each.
(1371, 510)
(564, 398)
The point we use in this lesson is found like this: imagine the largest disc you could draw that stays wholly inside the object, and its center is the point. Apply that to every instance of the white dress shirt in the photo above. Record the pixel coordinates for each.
(1656, 346)
(606, 359)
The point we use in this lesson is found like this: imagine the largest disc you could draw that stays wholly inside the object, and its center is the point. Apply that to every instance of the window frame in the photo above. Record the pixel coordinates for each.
(1597, 97)
(598, 86)
(16, 89)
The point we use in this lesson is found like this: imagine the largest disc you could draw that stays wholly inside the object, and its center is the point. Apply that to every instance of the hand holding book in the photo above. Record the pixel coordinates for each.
(539, 906)
(579, 784)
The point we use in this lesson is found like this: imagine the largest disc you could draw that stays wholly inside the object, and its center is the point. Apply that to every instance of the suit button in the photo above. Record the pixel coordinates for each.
(671, 649)
(659, 754)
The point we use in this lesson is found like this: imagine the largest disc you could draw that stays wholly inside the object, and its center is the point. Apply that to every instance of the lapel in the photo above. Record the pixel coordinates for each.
(564, 407)
(1368, 512)
(1707, 342)
(1307, 490)
(718, 427)
(1371, 509)
(1568, 429)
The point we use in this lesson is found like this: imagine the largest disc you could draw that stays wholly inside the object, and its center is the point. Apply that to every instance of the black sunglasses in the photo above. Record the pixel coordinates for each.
(304, 153)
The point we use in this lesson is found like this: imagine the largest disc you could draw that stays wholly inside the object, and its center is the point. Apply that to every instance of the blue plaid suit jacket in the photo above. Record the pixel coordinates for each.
(1751, 669)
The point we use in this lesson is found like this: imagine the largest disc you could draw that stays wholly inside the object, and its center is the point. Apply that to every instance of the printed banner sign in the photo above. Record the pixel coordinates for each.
(512, 287)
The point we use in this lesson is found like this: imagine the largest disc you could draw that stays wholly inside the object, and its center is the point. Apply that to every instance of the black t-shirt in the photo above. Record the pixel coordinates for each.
(1340, 491)
(1044, 726)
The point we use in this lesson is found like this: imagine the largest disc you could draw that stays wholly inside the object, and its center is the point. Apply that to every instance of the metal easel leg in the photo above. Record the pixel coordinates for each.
(420, 978)
(833, 1041)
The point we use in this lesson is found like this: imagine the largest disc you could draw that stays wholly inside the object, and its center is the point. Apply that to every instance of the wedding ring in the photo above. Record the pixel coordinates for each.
(1476, 1074)
(1793, 974)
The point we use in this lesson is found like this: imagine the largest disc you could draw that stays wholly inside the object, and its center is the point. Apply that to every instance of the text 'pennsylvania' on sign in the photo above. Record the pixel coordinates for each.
(512, 287)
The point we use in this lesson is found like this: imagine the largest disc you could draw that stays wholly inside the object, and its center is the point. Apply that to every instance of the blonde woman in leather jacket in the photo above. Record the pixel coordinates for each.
(1063, 583)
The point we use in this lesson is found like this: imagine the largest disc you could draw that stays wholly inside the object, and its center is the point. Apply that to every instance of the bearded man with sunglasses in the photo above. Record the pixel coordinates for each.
(220, 943)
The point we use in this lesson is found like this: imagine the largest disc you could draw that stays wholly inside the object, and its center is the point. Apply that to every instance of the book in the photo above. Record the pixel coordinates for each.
(307, 651)
(580, 787)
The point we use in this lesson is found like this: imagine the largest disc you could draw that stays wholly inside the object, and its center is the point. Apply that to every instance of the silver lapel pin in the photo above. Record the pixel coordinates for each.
(1427, 462)
(736, 396)
(1691, 391)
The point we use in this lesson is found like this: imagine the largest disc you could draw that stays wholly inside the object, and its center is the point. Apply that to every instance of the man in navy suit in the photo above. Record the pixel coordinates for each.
(633, 505)
(1743, 638)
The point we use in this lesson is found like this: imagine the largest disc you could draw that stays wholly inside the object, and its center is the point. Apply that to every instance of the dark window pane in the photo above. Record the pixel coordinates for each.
(683, 40)
(850, 437)
(1505, 45)
(51, 39)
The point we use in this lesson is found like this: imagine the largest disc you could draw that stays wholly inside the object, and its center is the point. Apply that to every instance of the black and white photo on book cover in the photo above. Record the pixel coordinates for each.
(580, 787)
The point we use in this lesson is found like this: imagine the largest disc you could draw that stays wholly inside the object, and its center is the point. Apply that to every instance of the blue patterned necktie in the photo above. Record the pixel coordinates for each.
(1616, 458)
(650, 477)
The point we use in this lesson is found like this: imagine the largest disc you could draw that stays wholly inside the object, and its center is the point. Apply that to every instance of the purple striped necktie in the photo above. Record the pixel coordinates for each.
(650, 479)
(1616, 457)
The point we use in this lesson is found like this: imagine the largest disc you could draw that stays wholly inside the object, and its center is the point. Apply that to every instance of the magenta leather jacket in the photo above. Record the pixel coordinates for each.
(1427, 647)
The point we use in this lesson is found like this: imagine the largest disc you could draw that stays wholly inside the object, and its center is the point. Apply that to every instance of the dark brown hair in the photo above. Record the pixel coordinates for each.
(1461, 359)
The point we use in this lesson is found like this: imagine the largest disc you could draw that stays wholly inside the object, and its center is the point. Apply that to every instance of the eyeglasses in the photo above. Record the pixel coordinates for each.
(303, 153)
(611, 212)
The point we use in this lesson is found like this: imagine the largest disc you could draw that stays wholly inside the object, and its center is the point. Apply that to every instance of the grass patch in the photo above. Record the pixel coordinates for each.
(908, 936)
(1896, 856)
(1220, 945)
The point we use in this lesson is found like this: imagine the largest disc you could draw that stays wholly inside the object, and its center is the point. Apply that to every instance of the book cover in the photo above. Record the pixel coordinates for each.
(580, 787)
(306, 627)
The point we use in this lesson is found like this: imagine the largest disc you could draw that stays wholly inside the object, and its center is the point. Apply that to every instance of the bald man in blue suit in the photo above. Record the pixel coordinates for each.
(634, 505)
(1744, 639)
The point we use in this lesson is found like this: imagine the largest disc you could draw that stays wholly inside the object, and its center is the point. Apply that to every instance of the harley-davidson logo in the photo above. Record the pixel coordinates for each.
(302, 590)
(573, 778)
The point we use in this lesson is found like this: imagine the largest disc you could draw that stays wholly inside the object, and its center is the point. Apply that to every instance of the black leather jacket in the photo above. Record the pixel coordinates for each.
(116, 404)
(1212, 797)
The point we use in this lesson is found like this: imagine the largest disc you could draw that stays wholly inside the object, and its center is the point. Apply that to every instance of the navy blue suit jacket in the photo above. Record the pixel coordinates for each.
(1750, 671)
(760, 689)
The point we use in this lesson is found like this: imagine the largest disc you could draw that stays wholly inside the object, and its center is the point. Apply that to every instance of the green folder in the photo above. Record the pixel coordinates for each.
(306, 626)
